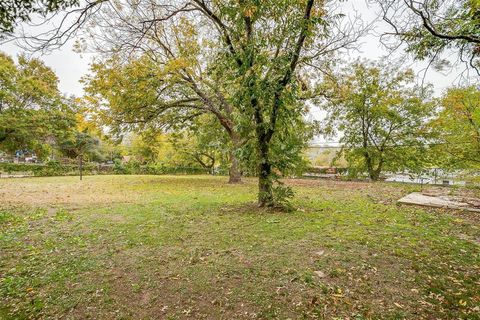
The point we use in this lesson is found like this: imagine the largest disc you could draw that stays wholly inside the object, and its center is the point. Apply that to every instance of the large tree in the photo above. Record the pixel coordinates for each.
(432, 29)
(33, 113)
(381, 117)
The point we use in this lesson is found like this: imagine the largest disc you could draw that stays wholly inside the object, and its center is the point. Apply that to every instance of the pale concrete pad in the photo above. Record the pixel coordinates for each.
(420, 199)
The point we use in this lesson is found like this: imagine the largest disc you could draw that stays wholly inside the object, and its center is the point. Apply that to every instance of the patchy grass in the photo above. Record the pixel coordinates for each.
(142, 247)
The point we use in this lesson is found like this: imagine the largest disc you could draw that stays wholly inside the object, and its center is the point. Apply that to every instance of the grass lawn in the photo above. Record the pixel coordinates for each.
(194, 247)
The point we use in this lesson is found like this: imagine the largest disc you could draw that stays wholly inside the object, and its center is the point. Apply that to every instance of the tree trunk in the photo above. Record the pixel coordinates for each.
(376, 173)
(234, 172)
(265, 183)
(235, 176)
(369, 163)
(212, 168)
(373, 173)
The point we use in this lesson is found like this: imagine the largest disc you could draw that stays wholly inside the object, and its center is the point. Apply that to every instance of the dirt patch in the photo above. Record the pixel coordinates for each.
(461, 202)
(441, 201)
(328, 183)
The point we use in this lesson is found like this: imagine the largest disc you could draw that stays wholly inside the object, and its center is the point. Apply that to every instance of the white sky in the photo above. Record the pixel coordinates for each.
(68, 65)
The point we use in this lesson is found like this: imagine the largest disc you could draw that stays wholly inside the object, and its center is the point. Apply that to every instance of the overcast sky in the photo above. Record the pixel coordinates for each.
(68, 65)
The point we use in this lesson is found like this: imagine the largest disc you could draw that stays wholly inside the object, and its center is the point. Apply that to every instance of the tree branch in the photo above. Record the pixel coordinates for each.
(291, 69)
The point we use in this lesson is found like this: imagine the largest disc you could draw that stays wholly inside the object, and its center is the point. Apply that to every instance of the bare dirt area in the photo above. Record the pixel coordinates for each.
(328, 182)
(469, 196)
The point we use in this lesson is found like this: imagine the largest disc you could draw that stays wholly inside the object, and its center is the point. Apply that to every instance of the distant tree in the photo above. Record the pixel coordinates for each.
(458, 128)
(206, 144)
(33, 113)
(79, 145)
(200, 145)
(381, 117)
(432, 28)
(145, 150)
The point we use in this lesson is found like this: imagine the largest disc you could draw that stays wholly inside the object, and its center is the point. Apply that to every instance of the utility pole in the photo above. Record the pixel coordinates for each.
(80, 164)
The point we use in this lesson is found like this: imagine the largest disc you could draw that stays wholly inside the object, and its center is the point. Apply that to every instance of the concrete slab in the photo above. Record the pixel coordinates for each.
(420, 199)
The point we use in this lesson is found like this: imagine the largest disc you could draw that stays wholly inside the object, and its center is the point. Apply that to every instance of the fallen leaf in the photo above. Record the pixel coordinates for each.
(320, 274)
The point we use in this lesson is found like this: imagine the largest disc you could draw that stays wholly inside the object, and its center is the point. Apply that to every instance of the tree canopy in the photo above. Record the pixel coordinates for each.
(33, 113)
(432, 29)
(381, 117)
(14, 11)
(233, 81)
